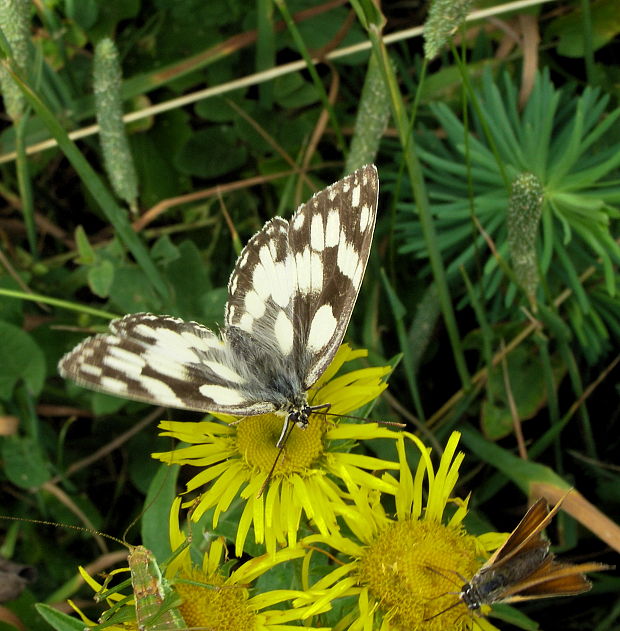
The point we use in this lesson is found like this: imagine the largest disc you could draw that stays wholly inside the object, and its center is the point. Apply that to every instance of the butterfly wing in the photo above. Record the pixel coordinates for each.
(261, 292)
(553, 579)
(330, 238)
(295, 283)
(164, 361)
(527, 535)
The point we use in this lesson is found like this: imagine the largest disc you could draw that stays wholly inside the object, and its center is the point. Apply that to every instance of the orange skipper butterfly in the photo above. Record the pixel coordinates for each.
(523, 568)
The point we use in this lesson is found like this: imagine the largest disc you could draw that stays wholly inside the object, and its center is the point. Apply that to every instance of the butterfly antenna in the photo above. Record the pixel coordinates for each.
(90, 531)
(435, 615)
(442, 572)
(286, 432)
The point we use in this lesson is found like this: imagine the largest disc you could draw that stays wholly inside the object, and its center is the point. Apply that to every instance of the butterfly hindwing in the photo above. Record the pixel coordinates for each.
(160, 360)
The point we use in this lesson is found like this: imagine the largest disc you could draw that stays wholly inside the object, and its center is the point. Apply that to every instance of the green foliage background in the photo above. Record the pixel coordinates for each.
(440, 294)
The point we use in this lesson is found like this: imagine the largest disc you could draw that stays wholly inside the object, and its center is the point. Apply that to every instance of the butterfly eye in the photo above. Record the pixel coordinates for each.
(299, 418)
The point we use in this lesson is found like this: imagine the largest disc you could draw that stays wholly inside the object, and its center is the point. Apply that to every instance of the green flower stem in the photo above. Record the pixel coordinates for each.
(57, 302)
(399, 312)
(107, 82)
(372, 118)
(422, 204)
(25, 183)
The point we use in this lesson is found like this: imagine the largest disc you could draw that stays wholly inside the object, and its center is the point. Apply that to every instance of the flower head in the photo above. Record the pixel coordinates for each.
(236, 459)
(205, 596)
(405, 570)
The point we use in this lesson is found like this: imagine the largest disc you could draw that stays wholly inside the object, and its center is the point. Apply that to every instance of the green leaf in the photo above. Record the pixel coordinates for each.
(85, 250)
(159, 497)
(157, 174)
(526, 376)
(58, 620)
(189, 289)
(164, 250)
(100, 278)
(110, 14)
(11, 310)
(104, 404)
(131, 292)
(513, 616)
(569, 29)
(24, 464)
(212, 153)
(293, 90)
(84, 12)
(21, 359)
(523, 473)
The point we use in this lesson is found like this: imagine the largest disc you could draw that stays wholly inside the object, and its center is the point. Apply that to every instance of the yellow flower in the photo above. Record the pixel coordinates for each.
(229, 606)
(236, 459)
(206, 597)
(405, 572)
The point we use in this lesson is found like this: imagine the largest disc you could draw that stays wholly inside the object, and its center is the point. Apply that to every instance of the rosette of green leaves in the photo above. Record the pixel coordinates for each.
(567, 142)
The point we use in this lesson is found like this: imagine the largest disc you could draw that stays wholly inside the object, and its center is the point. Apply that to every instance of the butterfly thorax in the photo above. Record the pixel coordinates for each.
(270, 376)
(490, 583)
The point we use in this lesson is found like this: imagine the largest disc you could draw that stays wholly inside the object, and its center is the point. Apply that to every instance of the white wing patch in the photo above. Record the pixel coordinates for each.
(255, 305)
(124, 361)
(355, 196)
(224, 394)
(322, 328)
(348, 258)
(317, 234)
(284, 333)
(332, 232)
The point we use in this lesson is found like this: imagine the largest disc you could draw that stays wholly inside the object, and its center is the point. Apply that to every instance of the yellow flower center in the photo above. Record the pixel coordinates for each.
(209, 604)
(415, 569)
(257, 437)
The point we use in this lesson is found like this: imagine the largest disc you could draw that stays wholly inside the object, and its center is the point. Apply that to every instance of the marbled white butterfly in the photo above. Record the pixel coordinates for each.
(290, 298)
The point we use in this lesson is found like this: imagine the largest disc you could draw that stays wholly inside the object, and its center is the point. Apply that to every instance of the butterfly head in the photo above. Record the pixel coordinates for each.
(299, 415)
(299, 412)
(471, 596)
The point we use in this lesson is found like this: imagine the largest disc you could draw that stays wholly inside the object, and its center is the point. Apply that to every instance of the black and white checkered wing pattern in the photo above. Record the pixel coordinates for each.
(164, 361)
(295, 284)
(330, 237)
(261, 290)
(290, 299)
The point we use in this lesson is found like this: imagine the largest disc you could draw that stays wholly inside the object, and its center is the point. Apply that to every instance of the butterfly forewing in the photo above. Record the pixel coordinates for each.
(527, 534)
(330, 238)
(295, 284)
(290, 299)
